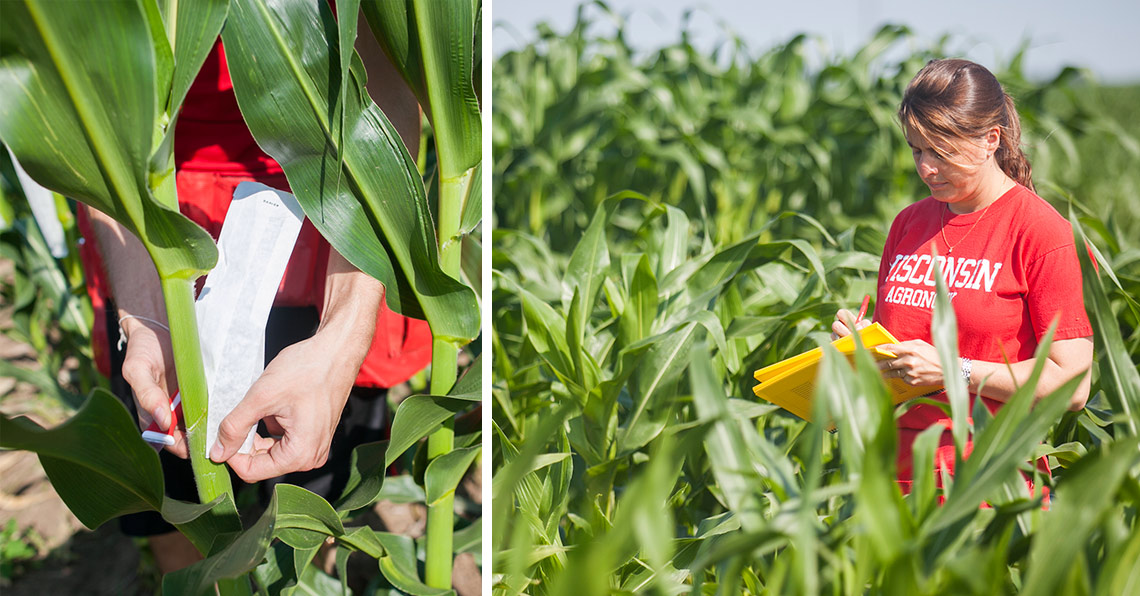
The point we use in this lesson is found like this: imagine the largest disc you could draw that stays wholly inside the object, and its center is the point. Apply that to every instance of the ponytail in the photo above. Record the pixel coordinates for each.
(1010, 158)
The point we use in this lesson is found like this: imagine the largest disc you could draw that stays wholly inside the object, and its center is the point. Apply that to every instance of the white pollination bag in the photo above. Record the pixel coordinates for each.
(254, 246)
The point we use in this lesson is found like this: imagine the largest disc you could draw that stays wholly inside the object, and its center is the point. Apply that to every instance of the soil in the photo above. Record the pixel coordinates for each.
(71, 559)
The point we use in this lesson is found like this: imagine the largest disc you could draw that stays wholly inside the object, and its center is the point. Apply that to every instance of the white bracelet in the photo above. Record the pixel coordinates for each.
(967, 368)
(123, 335)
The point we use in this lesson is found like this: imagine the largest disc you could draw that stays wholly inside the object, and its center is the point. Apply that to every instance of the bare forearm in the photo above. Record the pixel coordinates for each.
(130, 271)
(348, 318)
(999, 381)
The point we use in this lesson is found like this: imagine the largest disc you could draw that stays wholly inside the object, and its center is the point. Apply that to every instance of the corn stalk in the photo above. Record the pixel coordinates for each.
(431, 44)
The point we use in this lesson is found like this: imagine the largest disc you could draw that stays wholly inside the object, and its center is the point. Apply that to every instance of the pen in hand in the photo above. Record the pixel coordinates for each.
(863, 308)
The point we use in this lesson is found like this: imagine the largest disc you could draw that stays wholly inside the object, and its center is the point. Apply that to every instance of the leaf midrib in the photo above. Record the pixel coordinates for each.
(402, 255)
(107, 160)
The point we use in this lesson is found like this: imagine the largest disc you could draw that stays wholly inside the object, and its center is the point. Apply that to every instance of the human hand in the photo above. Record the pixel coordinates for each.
(300, 396)
(148, 367)
(843, 320)
(916, 362)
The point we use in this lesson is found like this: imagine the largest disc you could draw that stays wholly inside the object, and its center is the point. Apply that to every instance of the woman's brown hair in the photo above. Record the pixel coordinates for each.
(950, 101)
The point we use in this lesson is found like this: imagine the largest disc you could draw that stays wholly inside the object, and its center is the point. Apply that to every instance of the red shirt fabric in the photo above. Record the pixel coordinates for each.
(1012, 271)
(214, 152)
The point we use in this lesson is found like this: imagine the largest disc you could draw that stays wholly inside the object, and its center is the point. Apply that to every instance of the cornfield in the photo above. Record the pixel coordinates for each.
(667, 224)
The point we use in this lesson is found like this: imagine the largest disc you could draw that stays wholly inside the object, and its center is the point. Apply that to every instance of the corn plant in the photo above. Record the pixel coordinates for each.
(90, 112)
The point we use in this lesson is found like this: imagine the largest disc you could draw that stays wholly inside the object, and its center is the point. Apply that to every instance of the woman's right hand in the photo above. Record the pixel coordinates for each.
(843, 318)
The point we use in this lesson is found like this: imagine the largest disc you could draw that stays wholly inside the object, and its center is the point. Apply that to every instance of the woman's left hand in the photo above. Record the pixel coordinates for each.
(916, 363)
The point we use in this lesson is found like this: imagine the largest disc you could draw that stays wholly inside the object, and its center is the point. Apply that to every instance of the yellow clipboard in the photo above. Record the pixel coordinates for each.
(790, 383)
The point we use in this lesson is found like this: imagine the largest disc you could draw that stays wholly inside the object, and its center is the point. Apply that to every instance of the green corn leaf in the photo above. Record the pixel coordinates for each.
(1117, 372)
(444, 472)
(192, 28)
(364, 196)
(725, 446)
(277, 574)
(1123, 575)
(163, 54)
(430, 43)
(196, 27)
(364, 540)
(1007, 442)
(651, 386)
(547, 332)
(674, 242)
(923, 490)
(398, 565)
(640, 310)
(80, 115)
(944, 332)
(365, 477)
(886, 518)
(470, 385)
(1082, 500)
(294, 514)
(203, 523)
(97, 461)
(234, 560)
(40, 379)
(301, 560)
(472, 203)
(470, 538)
(586, 270)
(303, 518)
(419, 415)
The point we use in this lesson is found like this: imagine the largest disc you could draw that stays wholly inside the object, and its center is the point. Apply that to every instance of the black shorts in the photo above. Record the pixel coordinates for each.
(363, 420)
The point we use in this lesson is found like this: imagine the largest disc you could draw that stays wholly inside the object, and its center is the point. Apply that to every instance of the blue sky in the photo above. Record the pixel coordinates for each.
(1103, 36)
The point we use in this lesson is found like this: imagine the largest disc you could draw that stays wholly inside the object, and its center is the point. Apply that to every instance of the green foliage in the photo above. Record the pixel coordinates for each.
(587, 410)
(17, 548)
(93, 115)
(628, 325)
(740, 134)
(373, 209)
(51, 311)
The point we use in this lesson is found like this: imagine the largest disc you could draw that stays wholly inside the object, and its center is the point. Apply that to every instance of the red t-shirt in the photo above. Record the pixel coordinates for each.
(213, 152)
(1013, 269)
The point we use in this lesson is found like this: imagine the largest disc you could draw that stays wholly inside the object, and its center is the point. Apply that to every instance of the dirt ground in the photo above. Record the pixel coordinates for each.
(71, 559)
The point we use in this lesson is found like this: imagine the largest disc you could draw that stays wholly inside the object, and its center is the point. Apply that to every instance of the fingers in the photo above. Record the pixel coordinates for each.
(234, 429)
(180, 448)
(274, 457)
(839, 327)
(149, 396)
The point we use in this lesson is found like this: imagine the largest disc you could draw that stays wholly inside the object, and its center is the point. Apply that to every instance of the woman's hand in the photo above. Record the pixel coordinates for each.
(301, 393)
(300, 397)
(148, 367)
(916, 363)
(844, 318)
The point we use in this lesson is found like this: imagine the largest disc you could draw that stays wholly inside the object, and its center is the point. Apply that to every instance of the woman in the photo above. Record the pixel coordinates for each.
(1007, 256)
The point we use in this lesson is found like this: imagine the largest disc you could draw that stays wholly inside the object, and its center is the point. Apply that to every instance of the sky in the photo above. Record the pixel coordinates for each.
(1103, 36)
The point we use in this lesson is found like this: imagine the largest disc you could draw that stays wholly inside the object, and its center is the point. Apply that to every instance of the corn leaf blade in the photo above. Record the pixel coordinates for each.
(80, 110)
(373, 209)
(120, 476)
